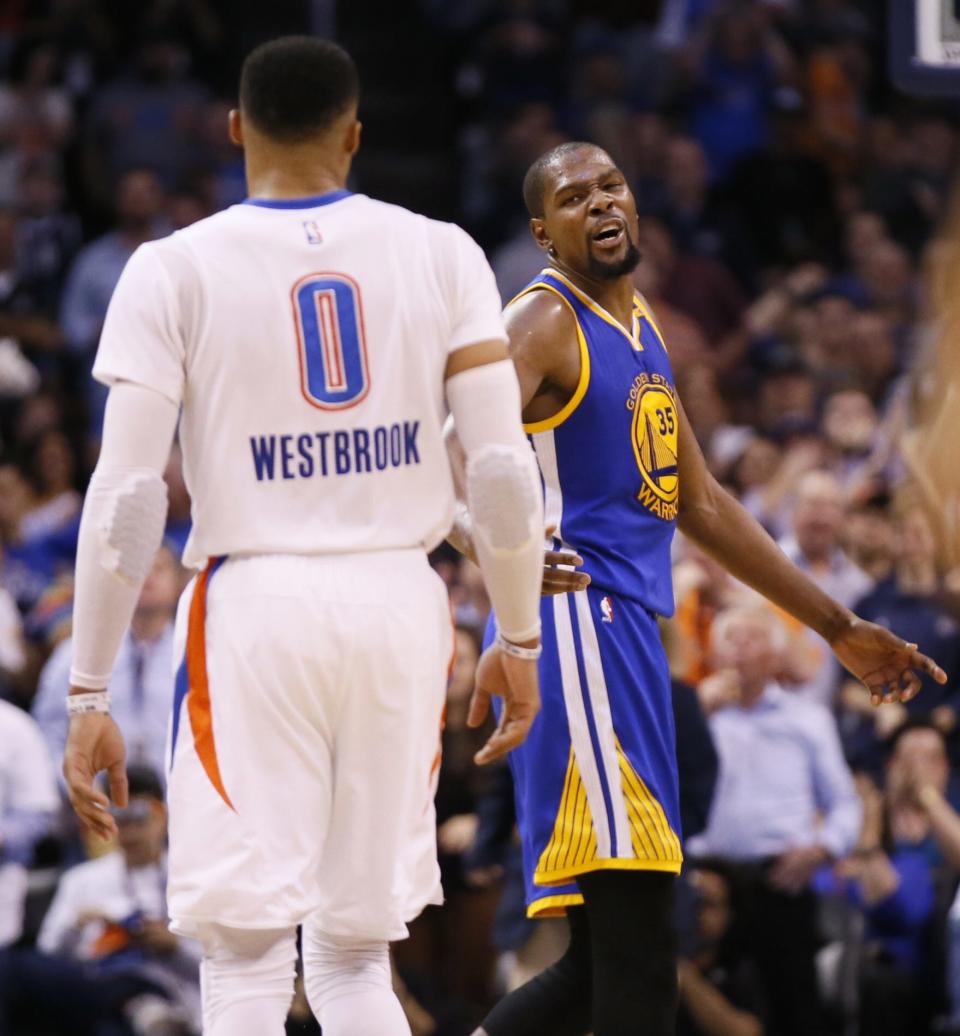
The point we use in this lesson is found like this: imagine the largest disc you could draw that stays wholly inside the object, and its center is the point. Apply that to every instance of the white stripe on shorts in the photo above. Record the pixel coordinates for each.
(579, 730)
(603, 720)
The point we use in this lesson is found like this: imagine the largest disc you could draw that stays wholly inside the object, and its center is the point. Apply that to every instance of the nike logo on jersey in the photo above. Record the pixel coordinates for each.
(357, 451)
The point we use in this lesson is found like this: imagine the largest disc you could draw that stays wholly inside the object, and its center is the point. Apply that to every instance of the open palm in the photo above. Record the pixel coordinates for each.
(888, 666)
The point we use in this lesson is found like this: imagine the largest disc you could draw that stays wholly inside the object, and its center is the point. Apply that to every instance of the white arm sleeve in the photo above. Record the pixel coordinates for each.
(121, 528)
(503, 493)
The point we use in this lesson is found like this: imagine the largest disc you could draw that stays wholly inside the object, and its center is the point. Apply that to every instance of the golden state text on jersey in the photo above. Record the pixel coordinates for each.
(608, 459)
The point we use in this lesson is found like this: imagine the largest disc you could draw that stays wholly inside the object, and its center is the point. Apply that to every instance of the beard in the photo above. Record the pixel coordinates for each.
(610, 270)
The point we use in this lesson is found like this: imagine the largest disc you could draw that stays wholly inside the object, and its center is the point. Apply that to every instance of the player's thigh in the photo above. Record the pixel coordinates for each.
(250, 783)
(380, 864)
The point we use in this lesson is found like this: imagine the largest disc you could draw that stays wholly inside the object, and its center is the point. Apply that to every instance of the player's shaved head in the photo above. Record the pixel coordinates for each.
(295, 87)
(538, 175)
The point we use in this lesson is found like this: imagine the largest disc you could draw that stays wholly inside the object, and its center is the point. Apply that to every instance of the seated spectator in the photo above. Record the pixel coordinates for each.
(895, 876)
(105, 945)
(12, 653)
(719, 991)
(784, 805)
(141, 686)
(868, 535)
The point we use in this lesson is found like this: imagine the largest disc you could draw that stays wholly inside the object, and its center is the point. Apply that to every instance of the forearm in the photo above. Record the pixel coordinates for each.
(710, 1009)
(121, 528)
(726, 531)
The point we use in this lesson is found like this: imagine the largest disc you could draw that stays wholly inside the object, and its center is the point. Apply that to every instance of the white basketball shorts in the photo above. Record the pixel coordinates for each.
(305, 743)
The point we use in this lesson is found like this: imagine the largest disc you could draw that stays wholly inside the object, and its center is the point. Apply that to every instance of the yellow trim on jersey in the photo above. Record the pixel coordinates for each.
(644, 307)
(596, 308)
(583, 382)
(554, 906)
(613, 863)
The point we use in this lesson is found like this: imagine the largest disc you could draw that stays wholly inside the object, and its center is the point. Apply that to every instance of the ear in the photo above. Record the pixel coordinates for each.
(352, 139)
(539, 231)
(235, 127)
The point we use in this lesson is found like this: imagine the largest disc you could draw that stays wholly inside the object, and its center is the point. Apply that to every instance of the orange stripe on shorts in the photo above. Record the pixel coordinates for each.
(198, 700)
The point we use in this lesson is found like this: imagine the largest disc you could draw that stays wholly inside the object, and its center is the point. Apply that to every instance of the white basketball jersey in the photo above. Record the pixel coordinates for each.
(306, 341)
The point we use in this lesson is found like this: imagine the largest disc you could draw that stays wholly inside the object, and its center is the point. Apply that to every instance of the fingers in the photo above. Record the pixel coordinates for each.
(479, 707)
(511, 732)
(91, 806)
(927, 665)
(118, 783)
(561, 580)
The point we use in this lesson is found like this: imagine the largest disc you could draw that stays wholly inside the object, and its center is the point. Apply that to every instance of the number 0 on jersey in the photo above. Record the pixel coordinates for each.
(328, 314)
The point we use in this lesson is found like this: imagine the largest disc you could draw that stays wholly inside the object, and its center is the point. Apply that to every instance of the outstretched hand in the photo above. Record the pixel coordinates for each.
(94, 743)
(516, 681)
(887, 665)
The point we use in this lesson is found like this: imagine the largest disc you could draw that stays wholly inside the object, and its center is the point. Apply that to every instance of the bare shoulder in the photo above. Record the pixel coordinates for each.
(539, 325)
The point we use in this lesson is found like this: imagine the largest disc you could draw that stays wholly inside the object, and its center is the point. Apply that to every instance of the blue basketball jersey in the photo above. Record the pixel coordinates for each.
(608, 459)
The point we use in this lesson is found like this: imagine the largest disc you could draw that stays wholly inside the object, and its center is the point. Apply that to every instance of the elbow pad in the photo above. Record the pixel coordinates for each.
(504, 494)
(129, 511)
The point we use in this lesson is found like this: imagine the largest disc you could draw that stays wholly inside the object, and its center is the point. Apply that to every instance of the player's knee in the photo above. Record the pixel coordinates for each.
(248, 971)
(348, 982)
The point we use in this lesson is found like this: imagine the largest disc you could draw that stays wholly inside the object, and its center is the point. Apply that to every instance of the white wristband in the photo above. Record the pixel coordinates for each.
(509, 648)
(93, 701)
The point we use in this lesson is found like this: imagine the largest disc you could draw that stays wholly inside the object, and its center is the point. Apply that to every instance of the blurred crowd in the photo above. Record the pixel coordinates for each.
(796, 214)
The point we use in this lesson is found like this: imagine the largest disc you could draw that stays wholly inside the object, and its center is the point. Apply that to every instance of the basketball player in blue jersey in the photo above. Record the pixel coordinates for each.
(596, 781)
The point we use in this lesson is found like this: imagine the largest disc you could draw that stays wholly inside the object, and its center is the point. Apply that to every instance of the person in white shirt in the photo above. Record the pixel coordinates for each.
(814, 547)
(312, 342)
(104, 944)
(28, 807)
(142, 682)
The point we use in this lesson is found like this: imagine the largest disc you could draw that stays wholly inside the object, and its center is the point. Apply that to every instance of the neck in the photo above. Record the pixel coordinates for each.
(616, 296)
(303, 173)
(149, 624)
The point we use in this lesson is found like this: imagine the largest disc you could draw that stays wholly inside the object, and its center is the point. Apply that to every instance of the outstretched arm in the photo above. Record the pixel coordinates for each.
(120, 531)
(723, 528)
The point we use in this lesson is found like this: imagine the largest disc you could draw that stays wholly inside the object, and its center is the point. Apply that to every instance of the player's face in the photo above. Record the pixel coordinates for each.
(590, 217)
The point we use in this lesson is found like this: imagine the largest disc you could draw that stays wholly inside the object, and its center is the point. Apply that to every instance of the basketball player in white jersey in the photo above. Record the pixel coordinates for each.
(312, 342)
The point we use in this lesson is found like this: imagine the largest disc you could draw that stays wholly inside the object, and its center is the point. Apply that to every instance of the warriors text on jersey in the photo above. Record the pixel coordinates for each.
(609, 458)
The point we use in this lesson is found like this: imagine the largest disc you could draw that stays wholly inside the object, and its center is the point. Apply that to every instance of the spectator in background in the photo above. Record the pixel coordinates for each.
(785, 804)
(97, 268)
(21, 316)
(719, 991)
(739, 60)
(50, 467)
(868, 535)
(47, 236)
(28, 807)
(152, 118)
(896, 876)
(819, 512)
(909, 600)
(105, 945)
(141, 688)
(12, 654)
(36, 115)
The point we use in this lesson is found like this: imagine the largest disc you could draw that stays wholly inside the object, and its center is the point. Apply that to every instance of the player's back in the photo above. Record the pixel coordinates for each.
(307, 341)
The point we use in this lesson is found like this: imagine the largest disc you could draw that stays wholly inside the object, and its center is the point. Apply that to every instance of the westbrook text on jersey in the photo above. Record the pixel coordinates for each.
(354, 451)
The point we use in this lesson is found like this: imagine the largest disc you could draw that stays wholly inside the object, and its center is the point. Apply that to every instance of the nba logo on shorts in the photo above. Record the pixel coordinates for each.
(314, 237)
(606, 609)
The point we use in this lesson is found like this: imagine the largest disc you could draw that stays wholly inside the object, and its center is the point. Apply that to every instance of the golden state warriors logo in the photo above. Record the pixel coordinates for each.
(654, 436)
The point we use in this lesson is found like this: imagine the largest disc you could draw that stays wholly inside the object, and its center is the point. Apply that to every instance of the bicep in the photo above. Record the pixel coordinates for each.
(138, 428)
(696, 482)
(543, 344)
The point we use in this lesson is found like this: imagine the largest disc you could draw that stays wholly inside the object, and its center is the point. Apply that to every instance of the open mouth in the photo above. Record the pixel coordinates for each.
(609, 235)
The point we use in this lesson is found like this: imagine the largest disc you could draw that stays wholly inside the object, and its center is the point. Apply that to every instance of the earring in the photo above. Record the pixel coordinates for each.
(552, 251)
